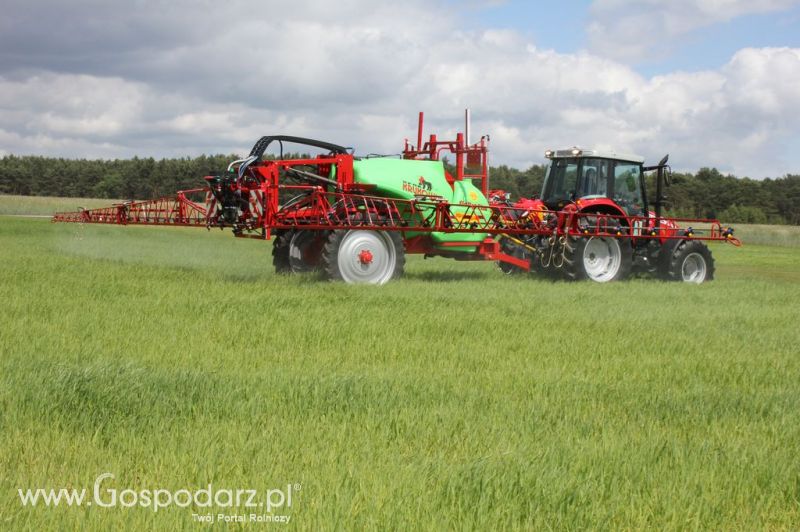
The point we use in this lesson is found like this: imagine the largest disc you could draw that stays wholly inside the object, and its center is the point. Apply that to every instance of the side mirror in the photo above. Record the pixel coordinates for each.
(664, 160)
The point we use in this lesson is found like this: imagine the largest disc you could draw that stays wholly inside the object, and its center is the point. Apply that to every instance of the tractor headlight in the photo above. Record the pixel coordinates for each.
(576, 151)
(548, 154)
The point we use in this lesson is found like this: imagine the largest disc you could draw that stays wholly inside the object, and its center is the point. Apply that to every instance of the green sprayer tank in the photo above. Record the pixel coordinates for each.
(405, 179)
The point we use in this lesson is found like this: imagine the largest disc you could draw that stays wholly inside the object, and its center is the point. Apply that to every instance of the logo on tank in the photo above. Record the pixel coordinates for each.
(422, 187)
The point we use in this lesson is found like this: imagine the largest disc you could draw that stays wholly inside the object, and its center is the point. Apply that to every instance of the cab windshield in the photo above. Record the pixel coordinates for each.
(570, 179)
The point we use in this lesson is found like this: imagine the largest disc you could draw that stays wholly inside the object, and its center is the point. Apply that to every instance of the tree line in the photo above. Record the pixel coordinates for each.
(705, 194)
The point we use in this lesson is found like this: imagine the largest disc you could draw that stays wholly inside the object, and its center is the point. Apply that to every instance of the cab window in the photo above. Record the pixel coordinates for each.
(560, 181)
(595, 178)
(627, 188)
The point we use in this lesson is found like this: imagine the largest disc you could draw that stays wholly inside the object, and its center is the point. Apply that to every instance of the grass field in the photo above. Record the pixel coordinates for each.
(455, 398)
(46, 205)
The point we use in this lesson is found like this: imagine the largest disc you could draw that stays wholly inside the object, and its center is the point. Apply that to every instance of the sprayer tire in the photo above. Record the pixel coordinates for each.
(342, 257)
(280, 251)
(305, 250)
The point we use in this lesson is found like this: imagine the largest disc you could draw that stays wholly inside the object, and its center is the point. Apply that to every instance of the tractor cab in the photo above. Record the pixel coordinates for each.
(575, 174)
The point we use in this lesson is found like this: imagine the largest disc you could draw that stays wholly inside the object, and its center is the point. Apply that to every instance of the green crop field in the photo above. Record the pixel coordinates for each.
(46, 205)
(455, 398)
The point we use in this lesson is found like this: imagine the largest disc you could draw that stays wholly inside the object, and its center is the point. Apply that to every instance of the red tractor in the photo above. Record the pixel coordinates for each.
(589, 190)
(355, 218)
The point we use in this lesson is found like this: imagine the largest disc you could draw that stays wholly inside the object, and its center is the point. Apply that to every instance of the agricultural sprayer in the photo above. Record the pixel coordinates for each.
(355, 218)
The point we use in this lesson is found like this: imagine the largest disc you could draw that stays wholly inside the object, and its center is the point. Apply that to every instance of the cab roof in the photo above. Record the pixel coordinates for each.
(584, 153)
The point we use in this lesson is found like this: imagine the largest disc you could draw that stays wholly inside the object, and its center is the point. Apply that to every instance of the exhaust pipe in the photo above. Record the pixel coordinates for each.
(466, 126)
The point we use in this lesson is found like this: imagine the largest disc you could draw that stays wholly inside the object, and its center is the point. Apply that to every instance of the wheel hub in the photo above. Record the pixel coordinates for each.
(365, 257)
(693, 269)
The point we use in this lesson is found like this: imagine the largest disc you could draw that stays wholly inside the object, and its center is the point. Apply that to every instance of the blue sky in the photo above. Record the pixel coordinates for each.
(712, 82)
(562, 27)
(712, 47)
(559, 25)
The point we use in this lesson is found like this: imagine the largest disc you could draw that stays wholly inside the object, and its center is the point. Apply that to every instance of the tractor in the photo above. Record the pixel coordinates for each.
(354, 219)
(592, 187)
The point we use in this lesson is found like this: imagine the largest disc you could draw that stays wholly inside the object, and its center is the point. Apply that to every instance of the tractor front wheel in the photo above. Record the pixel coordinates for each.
(600, 259)
(689, 261)
(359, 256)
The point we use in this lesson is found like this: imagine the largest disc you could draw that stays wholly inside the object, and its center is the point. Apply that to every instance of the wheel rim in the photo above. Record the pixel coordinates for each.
(693, 269)
(602, 258)
(366, 257)
(303, 257)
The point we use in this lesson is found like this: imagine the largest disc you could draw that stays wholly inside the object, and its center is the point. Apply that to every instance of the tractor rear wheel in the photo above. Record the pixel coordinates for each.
(359, 256)
(600, 259)
(689, 261)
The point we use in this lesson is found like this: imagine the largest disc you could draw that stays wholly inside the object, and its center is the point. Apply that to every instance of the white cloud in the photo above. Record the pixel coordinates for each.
(631, 30)
(357, 74)
(737, 118)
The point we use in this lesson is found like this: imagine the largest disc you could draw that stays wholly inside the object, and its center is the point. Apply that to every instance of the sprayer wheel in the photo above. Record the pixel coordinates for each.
(280, 251)
(305, 251)
(359, 256)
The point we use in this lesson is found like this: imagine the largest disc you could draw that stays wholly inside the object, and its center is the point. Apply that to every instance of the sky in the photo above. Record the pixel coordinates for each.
(714, 83)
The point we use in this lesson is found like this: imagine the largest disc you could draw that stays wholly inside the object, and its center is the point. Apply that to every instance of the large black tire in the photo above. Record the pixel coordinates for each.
(360, 256)
(280, 251)
(305, 251)
(600, 259)
(289, 250)
(689, 261)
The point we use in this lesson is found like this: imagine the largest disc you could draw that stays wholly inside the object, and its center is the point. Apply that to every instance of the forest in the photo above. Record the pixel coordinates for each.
(706, 193)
